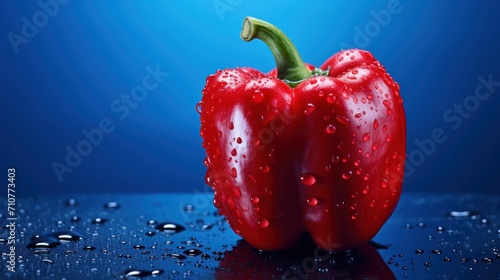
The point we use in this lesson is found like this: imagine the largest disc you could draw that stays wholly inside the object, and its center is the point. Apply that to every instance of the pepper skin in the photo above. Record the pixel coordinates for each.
(303, 149)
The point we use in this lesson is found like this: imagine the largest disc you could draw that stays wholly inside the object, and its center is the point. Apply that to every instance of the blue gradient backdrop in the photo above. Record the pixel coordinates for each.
(86, 54)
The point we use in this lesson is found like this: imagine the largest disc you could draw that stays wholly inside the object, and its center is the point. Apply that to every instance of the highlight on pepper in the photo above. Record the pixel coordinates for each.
(304, 149)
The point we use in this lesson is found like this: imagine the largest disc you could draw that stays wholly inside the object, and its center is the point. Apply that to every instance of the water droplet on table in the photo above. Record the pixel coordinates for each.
(170, 227)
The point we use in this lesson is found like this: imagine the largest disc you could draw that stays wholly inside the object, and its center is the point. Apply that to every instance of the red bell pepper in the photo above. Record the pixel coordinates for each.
(303, 149)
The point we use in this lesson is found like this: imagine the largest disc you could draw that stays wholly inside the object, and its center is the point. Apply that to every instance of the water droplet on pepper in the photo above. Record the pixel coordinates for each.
(265, 169)
(347, 175)
(330, 129)
(308, 179)
(366, 137)
(234, 172)
(254, 199)
(257, 96)
(198, 107)
(312, 201)
(330, 98)
(237, 192)
(366, 190)
(335, 159)
(309, 109)
(342, 119)
(384, 183)
(263, 223)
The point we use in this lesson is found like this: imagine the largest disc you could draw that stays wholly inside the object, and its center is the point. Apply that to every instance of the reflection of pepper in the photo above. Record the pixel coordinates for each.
(303, 262)
(317, 150)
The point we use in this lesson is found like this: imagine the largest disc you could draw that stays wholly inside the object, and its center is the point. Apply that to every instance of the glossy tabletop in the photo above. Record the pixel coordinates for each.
(170, 236)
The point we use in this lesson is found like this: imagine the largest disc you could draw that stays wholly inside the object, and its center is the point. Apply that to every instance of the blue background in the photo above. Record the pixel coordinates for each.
(65, 78)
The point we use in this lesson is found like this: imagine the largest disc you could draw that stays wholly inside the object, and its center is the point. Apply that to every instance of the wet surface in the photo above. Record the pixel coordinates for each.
(170, 236)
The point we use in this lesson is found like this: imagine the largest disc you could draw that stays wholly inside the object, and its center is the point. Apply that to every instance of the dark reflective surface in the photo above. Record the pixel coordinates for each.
(305, 261)
(183, 236)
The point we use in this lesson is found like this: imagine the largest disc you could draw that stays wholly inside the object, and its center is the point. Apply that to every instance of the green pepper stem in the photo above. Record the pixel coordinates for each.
(291, 68)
